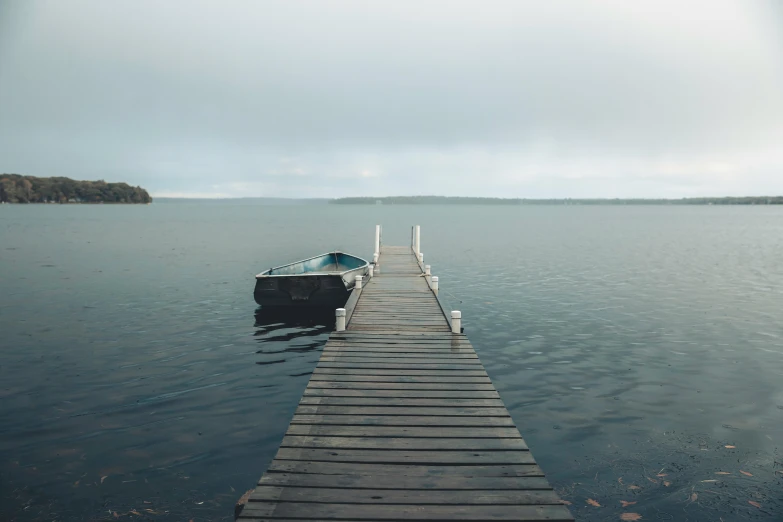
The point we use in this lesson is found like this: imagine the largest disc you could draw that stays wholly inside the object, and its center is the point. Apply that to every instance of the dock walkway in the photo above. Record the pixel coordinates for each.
(401, 422)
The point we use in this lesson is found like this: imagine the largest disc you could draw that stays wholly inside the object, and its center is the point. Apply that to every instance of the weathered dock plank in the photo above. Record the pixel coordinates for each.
(402, 457)
(401, 422)
(458, 386)
(350, 479)
(420, 491)
(377, 511)
(354, 472)
(402, 410)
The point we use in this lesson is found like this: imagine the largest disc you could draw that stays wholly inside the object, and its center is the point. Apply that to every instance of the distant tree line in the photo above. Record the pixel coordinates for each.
(15, 188)
(445, 200)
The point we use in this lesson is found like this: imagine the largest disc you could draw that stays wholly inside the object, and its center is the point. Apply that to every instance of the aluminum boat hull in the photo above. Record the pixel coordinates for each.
(323, 281)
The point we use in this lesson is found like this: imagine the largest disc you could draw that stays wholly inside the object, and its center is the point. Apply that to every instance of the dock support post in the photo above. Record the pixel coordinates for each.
(427, 270)
(359, 280)
(456, 321)
(421, 257)
(417, 248)
(434, 285)
(339, 324)
(372, 270)
(377, 239)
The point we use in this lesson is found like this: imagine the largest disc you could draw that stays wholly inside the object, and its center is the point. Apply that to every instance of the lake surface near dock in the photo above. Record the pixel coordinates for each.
(638, 349)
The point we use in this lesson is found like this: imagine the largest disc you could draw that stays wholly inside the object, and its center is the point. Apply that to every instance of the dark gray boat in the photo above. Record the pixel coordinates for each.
(321, 281)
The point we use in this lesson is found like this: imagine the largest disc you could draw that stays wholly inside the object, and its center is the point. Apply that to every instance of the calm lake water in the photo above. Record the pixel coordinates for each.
(639, 350)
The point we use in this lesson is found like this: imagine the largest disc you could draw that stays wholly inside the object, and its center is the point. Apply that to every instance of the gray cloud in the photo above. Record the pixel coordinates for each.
(285, 98)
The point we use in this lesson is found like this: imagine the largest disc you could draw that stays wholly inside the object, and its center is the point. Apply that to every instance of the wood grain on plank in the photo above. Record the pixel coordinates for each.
(359, 469)
(336, 378)
(439, 411)
(406, 402)
(375, 354)
(397, 365)
(489, 432)
(450, 370)
(394, 480)
(371, 385)
(400, 420)
(403, 394)
(289, 510)
(527, 494)
(402, 443)
(409, 358)
(417, 457)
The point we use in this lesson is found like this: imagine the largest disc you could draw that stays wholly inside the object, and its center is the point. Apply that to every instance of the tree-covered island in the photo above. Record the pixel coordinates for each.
(15, 188)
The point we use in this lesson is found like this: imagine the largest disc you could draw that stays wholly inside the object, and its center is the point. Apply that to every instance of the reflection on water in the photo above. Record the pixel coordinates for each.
(295, 322)
(639, 350)
(291, 330)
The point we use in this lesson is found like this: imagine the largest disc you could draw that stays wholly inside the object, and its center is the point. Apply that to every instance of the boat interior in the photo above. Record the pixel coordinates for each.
(332, 262)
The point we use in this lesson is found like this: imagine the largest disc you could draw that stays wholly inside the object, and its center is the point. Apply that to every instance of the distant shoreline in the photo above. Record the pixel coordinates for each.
(17, 189)
(446, 200)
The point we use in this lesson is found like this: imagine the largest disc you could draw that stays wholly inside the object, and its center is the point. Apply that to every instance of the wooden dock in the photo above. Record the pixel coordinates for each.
(401, 422)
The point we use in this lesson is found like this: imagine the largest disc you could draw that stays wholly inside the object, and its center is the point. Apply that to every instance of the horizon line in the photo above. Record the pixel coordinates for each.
(558, 198)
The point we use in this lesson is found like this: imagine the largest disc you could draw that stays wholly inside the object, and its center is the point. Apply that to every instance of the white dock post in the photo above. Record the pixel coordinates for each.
(418, 240)
(359, 280)
(421, 257)
(372, 269)
(427, 270)
(339, 324)
(375, 258)
(377, 239)
(435, 284)
(456, 321)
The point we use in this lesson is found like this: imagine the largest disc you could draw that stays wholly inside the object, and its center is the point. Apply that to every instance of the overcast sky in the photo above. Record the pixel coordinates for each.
(325, 99)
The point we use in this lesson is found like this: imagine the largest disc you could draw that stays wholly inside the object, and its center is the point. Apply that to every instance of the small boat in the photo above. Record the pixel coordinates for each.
(321, 281)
